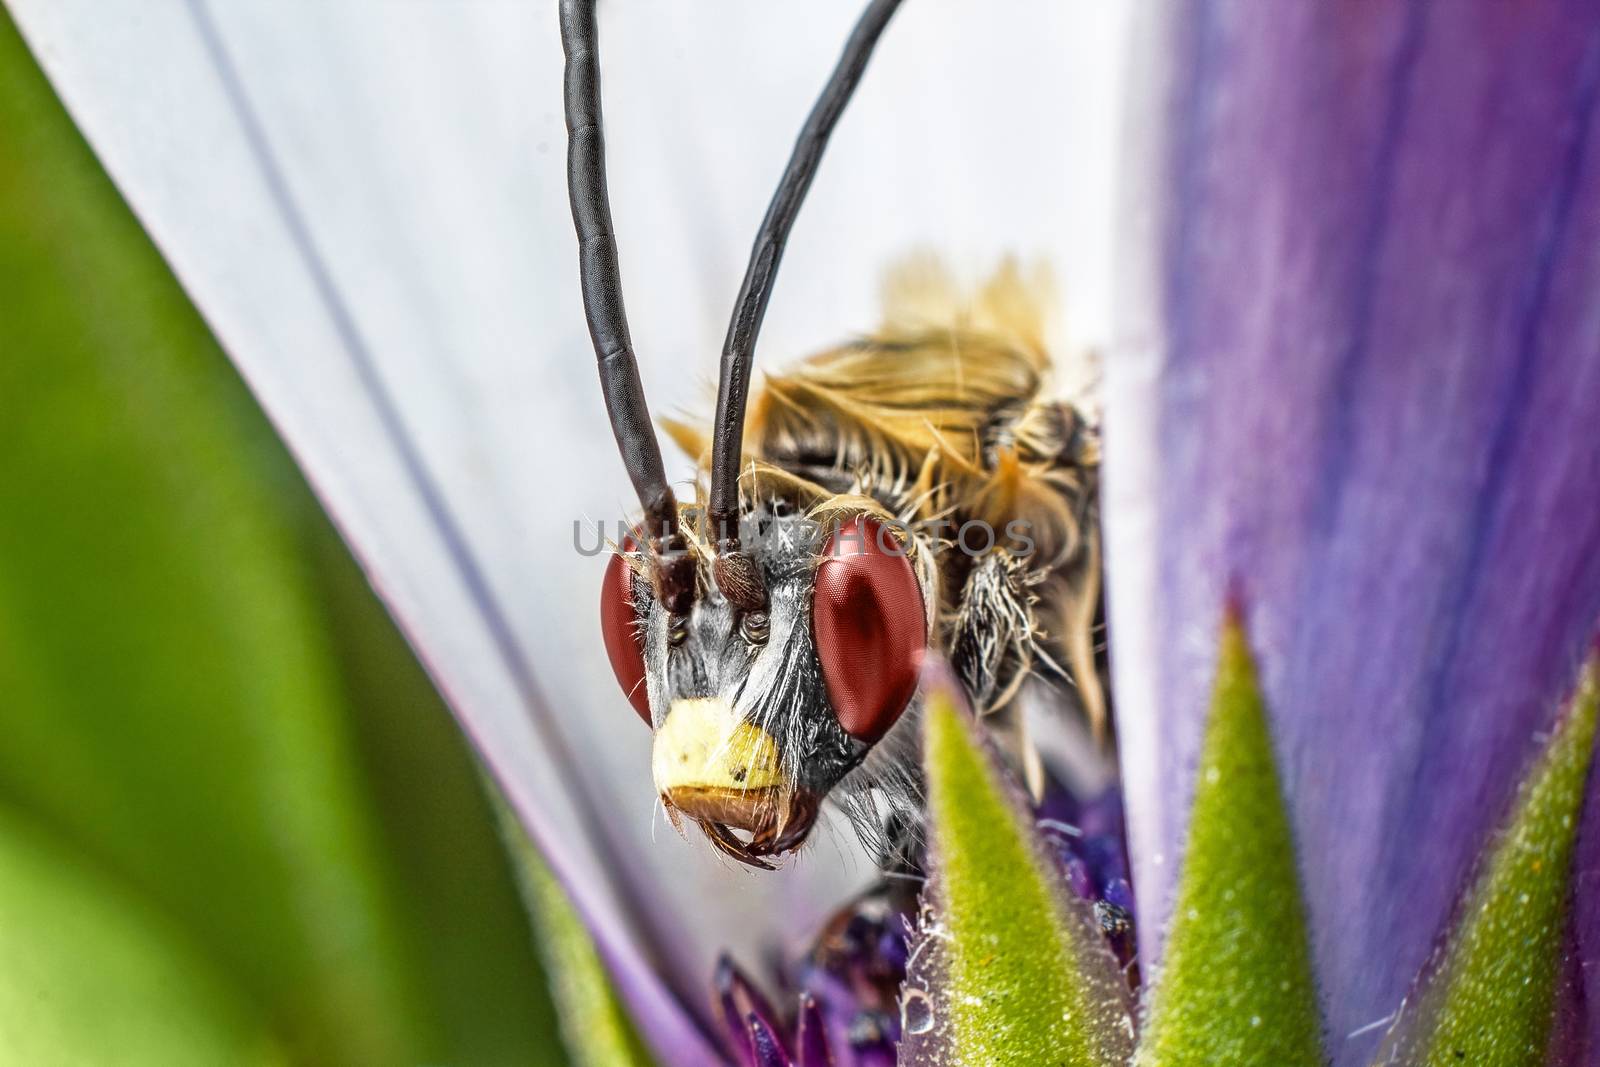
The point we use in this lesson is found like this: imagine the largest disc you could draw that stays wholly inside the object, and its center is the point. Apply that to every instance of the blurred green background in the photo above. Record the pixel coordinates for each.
(236, 824)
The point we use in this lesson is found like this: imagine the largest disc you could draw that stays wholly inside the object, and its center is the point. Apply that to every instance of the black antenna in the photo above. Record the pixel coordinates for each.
(601, 280)
(735, 573)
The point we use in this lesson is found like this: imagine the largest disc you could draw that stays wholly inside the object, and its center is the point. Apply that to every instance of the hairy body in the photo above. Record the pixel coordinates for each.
(941, 426)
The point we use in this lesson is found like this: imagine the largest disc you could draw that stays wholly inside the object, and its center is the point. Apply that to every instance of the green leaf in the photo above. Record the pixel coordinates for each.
(1488, 999)
(171, 704)
(484, 991)
(1027, 977)
(193, 697)
(594, 1023)
(1236, 984)
(93, 975)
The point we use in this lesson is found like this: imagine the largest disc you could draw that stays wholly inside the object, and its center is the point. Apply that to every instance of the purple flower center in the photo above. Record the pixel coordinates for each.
(846, 989)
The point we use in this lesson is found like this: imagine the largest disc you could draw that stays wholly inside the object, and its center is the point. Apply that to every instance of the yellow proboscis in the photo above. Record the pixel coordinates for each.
(704, 747)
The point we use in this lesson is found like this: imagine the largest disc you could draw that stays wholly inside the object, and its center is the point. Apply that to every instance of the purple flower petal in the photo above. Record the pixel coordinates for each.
(766, 1048)
(853, 973)
(737, 1002)
(811, 1040)
(1362, 387)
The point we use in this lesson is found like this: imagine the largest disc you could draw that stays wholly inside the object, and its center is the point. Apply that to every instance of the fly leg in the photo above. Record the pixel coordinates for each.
(992, 647)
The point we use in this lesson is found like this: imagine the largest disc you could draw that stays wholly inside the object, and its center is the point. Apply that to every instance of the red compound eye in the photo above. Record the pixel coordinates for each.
(619, 625)
(870, 629)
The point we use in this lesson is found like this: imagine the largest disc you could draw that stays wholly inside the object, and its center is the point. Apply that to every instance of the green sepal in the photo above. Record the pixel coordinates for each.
(595, 1025)
(1488, 998)
(1236, 984)
(1023, 975)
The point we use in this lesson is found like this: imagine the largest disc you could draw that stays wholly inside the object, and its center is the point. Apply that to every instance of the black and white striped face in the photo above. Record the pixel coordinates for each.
(758, 716)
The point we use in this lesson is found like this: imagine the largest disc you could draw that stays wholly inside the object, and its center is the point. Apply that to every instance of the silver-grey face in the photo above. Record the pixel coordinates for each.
(762, 670)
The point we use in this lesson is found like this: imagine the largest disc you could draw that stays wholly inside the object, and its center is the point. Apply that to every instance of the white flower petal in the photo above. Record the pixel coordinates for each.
(367, 201)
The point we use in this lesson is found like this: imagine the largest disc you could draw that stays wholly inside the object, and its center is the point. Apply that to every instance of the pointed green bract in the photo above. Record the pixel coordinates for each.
(1025, 980)
(594, 1023)
(1236, 983)
(1489, 999)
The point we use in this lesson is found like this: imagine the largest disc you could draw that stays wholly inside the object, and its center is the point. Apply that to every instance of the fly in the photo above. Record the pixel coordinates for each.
(912, 491)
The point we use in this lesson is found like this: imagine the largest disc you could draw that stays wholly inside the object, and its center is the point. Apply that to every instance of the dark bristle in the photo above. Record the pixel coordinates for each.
(751, 306)
(600, 277)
